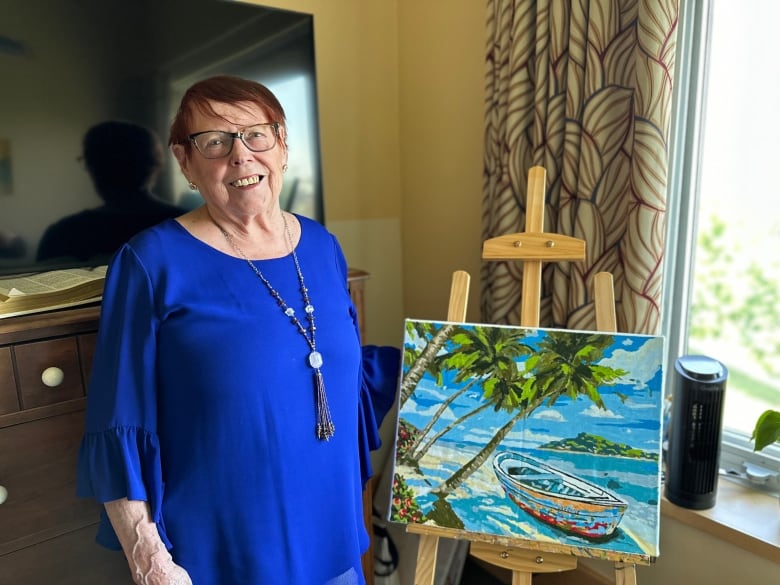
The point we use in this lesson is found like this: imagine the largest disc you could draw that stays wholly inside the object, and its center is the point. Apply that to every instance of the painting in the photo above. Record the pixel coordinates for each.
(5, 167)
(541, 435)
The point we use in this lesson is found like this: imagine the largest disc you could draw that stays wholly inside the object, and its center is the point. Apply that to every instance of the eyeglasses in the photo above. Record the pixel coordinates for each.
(216, 144)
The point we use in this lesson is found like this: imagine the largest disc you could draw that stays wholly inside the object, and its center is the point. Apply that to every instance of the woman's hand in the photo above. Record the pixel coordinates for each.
(149, 560)
(156, 567)
(160, 570)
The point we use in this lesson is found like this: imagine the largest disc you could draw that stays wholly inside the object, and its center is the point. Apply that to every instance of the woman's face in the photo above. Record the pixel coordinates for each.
(243, 183)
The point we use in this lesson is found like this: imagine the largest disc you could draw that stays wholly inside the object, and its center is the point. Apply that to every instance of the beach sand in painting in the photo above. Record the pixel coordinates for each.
(492, 512)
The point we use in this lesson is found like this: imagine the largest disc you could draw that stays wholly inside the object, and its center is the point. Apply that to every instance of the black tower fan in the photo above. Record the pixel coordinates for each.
(695, 431)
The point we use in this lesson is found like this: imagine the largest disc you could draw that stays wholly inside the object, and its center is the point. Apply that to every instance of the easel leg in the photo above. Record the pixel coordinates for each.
(426, 559)
(625, 574)
(521, 578)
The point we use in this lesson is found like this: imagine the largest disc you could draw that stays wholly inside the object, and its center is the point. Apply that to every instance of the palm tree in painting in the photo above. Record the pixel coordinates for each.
(485, 355)
(565, 364)
(424, 361)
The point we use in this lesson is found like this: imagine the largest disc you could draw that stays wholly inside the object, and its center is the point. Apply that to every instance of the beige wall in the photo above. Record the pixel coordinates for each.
(442, 116)
(401, 92)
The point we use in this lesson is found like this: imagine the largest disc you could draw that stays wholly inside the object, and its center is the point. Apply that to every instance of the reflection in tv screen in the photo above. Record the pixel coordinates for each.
(132, 62)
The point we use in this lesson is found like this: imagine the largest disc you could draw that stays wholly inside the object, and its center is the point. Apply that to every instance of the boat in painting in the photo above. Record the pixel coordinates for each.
(557, 498)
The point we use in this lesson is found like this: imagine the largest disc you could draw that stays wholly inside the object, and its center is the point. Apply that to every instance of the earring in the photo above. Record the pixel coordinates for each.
(192, 186)
(284, 168)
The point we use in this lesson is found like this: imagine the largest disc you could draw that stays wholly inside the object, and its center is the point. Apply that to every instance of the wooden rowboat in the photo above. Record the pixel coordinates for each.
(560, 499)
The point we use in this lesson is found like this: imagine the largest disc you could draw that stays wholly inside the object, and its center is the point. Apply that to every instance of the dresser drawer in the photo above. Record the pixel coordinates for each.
(59, 358)
(73, 559)
(38, 468)
(9, 402)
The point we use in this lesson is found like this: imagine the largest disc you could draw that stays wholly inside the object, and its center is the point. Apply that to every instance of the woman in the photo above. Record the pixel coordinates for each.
(230, 410)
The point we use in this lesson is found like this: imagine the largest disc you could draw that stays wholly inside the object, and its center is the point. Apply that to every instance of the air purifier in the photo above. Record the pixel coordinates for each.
(695, 431)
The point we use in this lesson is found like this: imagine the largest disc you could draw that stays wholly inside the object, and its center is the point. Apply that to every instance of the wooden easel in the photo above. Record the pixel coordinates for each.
(534, 246)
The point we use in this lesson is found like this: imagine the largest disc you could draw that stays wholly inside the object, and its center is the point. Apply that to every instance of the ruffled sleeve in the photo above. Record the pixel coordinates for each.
(119, 454)
(379, 384)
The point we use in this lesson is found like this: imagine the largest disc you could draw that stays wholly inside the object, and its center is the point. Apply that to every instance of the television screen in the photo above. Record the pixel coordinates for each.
(131, 61)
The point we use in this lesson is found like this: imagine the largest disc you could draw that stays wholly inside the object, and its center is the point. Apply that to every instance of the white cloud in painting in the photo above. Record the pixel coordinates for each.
(527, 438)
(412, 407)
(549, 414)
(596, 412)
(641, 364)
(478, 435)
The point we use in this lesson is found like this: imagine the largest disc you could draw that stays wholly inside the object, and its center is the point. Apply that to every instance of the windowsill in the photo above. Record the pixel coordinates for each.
(747, 518)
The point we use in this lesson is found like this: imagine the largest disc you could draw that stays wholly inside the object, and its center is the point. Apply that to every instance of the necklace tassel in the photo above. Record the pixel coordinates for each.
(325, 426)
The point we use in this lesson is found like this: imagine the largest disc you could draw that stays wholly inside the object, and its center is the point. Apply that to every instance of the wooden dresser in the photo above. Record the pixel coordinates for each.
(46, 533)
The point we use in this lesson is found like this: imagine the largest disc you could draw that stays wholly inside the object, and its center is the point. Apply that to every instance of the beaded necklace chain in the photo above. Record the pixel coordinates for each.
(324, 428)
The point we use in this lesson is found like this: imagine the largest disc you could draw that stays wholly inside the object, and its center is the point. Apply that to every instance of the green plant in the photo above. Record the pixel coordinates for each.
(767, 429)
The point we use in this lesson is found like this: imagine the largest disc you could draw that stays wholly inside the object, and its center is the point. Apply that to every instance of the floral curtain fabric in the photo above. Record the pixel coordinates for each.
(583, 89)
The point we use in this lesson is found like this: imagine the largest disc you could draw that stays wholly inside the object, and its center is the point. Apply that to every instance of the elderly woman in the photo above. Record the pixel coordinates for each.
(231, 407)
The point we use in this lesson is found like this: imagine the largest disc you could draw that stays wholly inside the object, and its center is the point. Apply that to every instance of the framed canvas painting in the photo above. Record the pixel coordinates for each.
(542, 435)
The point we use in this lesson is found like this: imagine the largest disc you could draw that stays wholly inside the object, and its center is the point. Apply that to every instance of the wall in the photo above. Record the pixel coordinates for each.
(442, 119)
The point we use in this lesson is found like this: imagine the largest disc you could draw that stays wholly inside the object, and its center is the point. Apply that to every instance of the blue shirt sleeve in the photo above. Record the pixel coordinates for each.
(119, 454)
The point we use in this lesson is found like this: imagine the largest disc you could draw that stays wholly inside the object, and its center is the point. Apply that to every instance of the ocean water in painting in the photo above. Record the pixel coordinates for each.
(628, 417)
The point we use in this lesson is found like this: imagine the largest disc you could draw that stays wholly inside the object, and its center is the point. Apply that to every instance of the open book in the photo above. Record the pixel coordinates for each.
(55, 289)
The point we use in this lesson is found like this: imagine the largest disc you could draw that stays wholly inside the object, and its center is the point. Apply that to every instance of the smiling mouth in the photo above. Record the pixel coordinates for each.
(246, 181)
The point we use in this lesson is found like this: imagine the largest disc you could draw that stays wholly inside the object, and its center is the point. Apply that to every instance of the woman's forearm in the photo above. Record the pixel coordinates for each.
(149, 560)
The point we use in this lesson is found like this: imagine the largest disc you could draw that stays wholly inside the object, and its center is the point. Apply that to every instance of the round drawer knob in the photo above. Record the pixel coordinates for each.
(3, 494)
(52, 377)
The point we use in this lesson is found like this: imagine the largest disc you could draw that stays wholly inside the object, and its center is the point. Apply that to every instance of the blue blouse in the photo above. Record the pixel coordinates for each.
(201, 402)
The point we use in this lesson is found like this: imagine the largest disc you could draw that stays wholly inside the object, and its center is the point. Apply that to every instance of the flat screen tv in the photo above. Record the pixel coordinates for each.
(69, 69)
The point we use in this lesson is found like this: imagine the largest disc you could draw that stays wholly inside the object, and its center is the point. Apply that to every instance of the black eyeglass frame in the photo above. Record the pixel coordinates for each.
(234, 136)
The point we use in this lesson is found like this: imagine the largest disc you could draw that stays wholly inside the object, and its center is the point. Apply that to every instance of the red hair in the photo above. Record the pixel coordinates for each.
(225, 89)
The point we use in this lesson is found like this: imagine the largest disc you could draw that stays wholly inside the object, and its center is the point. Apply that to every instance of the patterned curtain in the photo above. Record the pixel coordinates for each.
(583, 89)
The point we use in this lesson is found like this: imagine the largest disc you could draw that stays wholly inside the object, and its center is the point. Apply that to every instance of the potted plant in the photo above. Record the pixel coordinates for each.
(767, 429)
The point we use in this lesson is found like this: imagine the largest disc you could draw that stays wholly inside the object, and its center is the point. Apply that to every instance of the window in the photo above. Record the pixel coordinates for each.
(723, 275)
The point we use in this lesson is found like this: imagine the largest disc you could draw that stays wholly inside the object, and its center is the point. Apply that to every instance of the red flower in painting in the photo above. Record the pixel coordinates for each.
(404, 508)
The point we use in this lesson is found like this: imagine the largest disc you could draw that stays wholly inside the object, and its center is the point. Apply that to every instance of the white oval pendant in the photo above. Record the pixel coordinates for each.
(315, 359)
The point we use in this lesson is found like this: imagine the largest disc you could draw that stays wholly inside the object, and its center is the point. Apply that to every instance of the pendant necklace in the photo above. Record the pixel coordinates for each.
(324, 428)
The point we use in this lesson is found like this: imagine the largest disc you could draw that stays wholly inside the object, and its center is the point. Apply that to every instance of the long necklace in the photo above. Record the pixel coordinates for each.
(324, 428)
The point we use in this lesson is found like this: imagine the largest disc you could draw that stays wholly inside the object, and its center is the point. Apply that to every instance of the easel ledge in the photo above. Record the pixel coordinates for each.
(532, 545)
